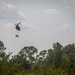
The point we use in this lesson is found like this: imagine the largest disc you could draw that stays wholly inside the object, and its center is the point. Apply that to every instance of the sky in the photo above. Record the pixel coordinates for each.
(47, 22)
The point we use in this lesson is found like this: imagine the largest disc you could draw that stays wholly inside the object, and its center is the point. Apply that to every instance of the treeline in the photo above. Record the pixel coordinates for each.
(56, 61)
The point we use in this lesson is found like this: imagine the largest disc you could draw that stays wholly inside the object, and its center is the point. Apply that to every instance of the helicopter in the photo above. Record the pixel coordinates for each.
(18, 28)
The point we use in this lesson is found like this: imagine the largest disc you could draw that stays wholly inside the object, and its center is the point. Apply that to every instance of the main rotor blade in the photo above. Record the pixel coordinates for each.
(24, 28)
(19, 23)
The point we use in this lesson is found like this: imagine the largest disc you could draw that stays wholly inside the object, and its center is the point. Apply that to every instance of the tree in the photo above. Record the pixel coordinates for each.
(4, 60)
(70, 51)
(50, 58)
(57, 48)
(26, 57)
(28, 53)
(42, 55)
(2, 49)
(73, 69)
(66, 64)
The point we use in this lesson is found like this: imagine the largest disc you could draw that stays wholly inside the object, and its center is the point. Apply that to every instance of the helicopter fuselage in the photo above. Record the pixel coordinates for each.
(18, 27)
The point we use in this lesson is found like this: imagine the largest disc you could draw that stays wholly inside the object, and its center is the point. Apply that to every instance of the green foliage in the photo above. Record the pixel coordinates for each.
(57, 48)
(56, 61)
(2, 49)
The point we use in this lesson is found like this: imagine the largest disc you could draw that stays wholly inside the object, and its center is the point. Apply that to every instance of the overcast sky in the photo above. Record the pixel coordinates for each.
(47, 22)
